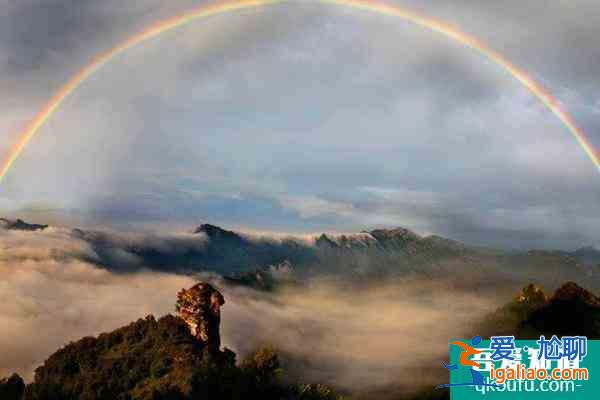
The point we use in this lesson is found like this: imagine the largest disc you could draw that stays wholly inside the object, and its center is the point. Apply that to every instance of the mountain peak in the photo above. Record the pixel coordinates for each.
(395, 233)
(586, 249)
(213, 231)
(209, 228)
(532, 295)
(20, 225)
(570, 292)
(200, 308)
(325, 241)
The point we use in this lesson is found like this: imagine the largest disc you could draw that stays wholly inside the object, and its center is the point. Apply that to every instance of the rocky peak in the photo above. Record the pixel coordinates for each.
(20, 225)
(214, 232)
(571, 292)
(572, 310)
(326, 241)
(395, 234)
(200, 308)
(532, 295)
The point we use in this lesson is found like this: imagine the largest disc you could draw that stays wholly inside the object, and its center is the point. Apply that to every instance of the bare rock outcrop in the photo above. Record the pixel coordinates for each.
(200, 307)
(532, 295)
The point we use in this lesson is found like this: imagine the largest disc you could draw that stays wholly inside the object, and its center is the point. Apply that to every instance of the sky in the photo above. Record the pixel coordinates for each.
(306, 117)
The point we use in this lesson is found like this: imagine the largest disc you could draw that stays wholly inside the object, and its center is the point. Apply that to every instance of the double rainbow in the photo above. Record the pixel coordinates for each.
(230, 6)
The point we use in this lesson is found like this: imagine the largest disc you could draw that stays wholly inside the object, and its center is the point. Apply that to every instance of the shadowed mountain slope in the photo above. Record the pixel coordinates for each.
(375, 254)
(570, 311)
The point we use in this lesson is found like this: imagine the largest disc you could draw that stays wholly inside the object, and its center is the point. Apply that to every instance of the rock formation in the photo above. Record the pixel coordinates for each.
(200, 308)
(571, 292)
(572, 310)
(532, 295)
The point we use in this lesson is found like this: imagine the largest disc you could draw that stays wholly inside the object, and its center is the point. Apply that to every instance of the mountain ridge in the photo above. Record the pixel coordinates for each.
(366, 254)
(20, 225)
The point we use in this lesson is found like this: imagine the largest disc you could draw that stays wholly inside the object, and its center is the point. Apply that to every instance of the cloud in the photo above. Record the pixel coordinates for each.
(239, 119)
(313, 206)
(356, 338)
(50, 295)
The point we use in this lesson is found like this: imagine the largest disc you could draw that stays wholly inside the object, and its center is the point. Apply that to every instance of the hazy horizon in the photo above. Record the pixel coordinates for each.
(305, 117)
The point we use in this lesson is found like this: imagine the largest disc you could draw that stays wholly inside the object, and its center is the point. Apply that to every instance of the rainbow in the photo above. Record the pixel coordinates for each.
(436, 25)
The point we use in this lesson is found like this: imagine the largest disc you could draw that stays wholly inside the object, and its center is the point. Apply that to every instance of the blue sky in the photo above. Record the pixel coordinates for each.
(304, 117)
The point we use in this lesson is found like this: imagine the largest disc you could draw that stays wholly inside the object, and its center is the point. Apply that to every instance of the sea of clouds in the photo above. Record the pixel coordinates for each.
(327, 330)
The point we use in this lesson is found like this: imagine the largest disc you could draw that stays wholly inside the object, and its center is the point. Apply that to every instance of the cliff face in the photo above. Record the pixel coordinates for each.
(200, 308)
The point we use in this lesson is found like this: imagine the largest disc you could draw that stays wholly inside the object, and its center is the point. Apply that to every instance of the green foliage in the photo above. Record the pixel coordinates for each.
(160, 360)
(148, 359)
(571, 310)
(508, 318)
(264, 365)
(12, 388)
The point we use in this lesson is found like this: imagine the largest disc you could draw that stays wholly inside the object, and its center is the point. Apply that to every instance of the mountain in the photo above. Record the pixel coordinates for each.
(215, 233)
(166, 359)
(588, 255)
(571, 310)
(374, 254)
(155, 360)
(267, 279)
(209, 248)
(20, 225)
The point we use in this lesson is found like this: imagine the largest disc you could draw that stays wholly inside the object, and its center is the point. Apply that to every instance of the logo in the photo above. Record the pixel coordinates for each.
(505, 368)
(468, 351)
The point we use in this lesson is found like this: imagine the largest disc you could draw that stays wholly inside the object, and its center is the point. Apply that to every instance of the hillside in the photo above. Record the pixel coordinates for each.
(153, 360)
(172, 358)
(570, 310)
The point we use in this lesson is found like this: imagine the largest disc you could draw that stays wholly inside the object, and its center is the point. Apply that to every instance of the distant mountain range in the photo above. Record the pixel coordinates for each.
(374, 253)
(588, 255)
(20, 225)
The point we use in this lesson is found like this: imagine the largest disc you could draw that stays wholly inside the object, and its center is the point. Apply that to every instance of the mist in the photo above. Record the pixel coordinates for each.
(326, 330)
(50, 296)
(354, 337)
